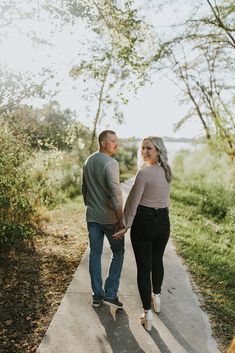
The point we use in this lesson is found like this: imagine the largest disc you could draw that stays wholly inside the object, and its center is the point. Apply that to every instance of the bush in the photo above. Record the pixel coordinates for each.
(16, 210)
(56, 175)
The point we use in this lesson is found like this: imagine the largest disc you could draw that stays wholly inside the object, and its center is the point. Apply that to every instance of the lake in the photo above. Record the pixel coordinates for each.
(175, 146)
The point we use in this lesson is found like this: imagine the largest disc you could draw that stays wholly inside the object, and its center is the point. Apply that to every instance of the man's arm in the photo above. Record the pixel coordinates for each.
(84, 188)
(119, 214)
(113, 184)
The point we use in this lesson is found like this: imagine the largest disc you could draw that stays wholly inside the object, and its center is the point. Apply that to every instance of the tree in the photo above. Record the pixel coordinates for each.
(46, 128)
(120, 51)
(201, 57)
(222, 20)
(16, 88)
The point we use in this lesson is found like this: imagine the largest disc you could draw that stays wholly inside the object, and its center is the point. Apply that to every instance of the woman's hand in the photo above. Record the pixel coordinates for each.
(119, 234)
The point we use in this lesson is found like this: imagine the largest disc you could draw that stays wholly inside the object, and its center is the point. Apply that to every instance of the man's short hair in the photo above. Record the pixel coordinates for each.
(102, 136)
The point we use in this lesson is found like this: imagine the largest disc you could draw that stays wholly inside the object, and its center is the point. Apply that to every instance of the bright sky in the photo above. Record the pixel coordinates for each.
(154, 110)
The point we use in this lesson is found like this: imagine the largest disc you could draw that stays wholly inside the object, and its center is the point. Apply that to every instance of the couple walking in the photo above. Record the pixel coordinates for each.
(145, 212)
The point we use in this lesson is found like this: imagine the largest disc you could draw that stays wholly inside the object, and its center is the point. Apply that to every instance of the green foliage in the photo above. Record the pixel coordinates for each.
(48, 127)
(56, 175)
(16, 210)
(215, 202)
(200, 55)
(120, 60)
(15, 87)
(209, 182)
(202, 217)
(184, 194)
(127, 157)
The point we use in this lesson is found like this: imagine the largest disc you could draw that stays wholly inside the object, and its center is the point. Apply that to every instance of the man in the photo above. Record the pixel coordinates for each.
(103, 199)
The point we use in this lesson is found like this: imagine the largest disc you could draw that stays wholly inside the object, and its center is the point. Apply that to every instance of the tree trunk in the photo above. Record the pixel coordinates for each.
(97, 117)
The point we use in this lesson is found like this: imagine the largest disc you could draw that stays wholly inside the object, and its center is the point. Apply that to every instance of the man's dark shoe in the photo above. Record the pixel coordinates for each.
(96, 303)
(115, 303)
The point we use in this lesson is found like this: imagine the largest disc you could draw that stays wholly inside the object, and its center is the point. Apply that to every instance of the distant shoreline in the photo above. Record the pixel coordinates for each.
(168, 139)
(183, 139)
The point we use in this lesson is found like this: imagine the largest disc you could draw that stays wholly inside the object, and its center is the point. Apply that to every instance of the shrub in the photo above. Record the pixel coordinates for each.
(16, 210)
(56, 175)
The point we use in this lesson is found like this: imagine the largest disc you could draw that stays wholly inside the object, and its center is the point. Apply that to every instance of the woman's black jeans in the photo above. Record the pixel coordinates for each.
(149, 235)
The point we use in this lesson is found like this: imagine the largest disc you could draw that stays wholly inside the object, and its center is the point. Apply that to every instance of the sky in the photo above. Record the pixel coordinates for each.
(154, 110)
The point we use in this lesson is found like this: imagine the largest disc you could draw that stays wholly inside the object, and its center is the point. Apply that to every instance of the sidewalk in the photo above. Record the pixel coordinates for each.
(181, 327)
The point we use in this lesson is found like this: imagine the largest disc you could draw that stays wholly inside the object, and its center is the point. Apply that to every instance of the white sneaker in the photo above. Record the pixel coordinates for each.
(156, 302)
(147, 319)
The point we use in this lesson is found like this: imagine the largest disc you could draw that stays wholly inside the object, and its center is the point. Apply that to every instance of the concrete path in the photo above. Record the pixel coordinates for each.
(181, 327)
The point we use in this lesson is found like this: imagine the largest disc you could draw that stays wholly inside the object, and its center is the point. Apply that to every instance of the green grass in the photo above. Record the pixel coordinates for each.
(207, 245)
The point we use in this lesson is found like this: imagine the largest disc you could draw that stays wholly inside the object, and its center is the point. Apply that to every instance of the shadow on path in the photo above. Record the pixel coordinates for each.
(175, 333)
(158, 340)
(119, 335)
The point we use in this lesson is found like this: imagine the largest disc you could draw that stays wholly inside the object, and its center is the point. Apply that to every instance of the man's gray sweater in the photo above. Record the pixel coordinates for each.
(101, 188)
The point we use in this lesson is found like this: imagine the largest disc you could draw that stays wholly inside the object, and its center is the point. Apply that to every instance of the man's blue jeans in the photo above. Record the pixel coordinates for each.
(96, 238)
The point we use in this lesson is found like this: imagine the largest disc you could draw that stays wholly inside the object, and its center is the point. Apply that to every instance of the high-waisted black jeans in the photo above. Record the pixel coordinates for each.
(149, 235)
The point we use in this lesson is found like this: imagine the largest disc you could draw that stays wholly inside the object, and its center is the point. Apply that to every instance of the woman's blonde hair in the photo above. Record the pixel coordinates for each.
(163, 159)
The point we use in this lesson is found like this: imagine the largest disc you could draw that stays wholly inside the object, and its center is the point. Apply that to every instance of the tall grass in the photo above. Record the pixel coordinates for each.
(203, 213)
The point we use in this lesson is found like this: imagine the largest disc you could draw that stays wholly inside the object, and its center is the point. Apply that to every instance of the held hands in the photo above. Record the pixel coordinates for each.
(119, 234)
(119, 231)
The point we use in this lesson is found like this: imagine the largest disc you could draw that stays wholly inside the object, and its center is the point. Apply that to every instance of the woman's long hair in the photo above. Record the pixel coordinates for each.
(163, 159)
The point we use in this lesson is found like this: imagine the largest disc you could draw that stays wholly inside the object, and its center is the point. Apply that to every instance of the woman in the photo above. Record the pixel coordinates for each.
(146, 212)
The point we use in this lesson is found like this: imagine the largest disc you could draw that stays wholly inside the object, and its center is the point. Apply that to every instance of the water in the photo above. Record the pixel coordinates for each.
(173, 147)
